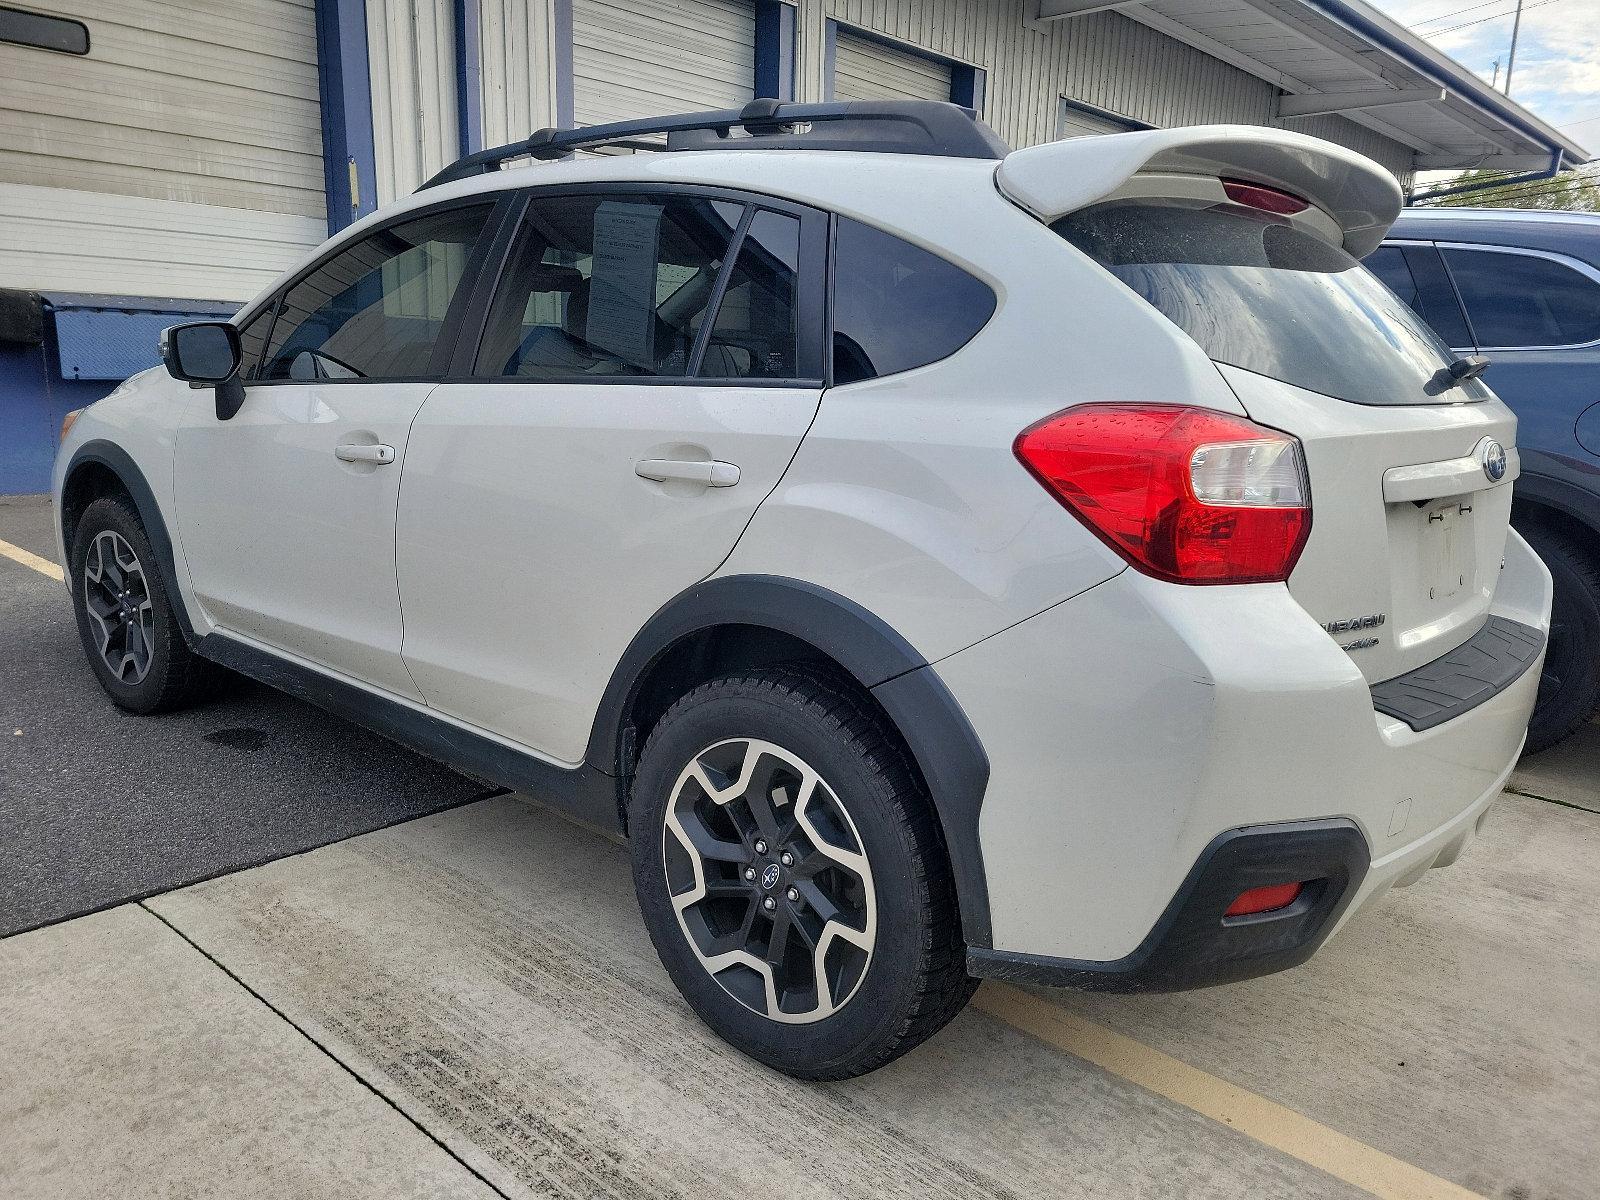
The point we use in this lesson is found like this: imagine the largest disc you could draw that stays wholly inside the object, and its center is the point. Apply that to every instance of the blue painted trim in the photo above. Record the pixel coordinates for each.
(830, 57)
(775, 34)
(1549, 172)
(968, 85)
(469, 76)
(344, 82)
(562, 17)
(967, 82)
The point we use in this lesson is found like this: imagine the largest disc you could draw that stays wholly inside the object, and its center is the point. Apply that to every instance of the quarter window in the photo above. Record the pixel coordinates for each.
(620, 286)
(376, 309)
(896, 306)
(1522, 300)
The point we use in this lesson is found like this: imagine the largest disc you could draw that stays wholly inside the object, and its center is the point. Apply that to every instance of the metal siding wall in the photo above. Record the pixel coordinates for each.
(411, 51)
(518, 55)
(1104, 59)
(208, 103)
(867, 70)
(644, 58)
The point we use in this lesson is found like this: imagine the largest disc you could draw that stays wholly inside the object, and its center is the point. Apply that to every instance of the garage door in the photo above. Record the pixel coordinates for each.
(1072, 121)
(643, 58)
(867, 70)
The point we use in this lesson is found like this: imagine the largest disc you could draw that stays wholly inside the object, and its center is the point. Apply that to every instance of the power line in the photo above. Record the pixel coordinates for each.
(1456, 13)
(1495, 17)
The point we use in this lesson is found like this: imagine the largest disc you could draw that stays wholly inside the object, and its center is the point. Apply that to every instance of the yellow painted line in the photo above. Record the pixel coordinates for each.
(29, 559)
(1255, 1116)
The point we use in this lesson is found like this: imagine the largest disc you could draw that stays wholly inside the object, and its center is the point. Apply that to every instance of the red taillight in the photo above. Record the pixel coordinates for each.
(1187, 495)
(1266, 199)
(1264, 899)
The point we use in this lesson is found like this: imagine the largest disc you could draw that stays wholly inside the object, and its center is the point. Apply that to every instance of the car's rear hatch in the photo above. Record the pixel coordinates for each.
(1248, 241)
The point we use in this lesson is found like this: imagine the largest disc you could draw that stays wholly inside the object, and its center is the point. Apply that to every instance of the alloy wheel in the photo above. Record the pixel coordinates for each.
(770, 880)
(116, 597)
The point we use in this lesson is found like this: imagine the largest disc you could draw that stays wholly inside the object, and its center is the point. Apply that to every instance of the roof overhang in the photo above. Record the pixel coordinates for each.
(1344, 57)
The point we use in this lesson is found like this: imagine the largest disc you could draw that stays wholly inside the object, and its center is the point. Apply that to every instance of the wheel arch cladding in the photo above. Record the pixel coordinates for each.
(91, 465)
(941, 741)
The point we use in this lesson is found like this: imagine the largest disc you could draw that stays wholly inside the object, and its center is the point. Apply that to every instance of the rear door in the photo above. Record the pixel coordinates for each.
(1409, 478)
(610, 448)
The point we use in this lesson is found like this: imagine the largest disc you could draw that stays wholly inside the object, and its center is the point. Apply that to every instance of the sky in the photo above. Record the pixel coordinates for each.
(1558, 53)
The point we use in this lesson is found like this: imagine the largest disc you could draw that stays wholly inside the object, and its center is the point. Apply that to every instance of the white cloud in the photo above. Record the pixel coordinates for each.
(1558, 54)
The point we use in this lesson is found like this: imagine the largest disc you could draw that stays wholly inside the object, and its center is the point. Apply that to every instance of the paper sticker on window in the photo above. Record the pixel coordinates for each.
(622, 289)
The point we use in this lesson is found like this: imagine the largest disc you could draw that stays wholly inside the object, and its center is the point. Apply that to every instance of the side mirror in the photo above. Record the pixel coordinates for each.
(206, 353)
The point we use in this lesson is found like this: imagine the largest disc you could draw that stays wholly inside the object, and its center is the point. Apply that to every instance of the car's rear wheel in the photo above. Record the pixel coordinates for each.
(1569, 689)
(125, 620)
(792, 876)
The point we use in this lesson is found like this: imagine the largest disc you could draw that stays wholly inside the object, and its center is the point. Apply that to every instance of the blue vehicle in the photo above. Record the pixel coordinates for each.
(1523, 288)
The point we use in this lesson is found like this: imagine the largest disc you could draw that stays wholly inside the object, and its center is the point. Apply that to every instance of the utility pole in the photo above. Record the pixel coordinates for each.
(1495, 82)
(1516, 28)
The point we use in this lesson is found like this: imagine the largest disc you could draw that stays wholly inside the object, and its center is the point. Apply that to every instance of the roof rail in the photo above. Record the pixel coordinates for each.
(885, 126)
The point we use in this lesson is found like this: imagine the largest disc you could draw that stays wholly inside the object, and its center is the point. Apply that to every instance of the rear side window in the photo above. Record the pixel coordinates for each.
(375, 310)
(620, 286)
(1520, 300)
(896, 306)
(1258, 293)
(1417, 275)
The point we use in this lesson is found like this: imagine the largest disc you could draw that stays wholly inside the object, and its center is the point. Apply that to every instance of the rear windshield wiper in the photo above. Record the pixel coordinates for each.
(1468, 366)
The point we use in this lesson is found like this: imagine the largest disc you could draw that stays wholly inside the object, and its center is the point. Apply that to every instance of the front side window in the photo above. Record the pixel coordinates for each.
(1258, 293)
(375, 310)
(620, 286)
(1521, 300)
(896, 306)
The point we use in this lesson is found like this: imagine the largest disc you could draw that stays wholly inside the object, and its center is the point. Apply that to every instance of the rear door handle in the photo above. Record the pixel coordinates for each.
(673, 470)
(359, 453)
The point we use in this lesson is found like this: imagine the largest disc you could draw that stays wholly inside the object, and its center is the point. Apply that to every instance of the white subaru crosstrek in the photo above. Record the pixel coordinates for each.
(1066, 565)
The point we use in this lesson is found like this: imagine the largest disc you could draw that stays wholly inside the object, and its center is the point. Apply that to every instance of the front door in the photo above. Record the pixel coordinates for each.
(615, 447)
(287, 510)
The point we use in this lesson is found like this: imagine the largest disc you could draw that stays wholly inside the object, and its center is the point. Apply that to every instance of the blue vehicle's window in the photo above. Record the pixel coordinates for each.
(1415, 274)
(1258, 293)
(896, 306)
(375, 310)
(1520, 300)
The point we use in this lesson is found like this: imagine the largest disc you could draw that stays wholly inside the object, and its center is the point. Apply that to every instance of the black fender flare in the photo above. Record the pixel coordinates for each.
(941, 739)
(1569, 499)
(120, 463)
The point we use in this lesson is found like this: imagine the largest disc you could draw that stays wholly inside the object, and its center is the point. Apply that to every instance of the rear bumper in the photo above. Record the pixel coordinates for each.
(1132, 727)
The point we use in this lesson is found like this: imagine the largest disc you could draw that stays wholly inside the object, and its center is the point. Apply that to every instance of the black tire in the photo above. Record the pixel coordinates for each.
(174, 676)
(1569, 690)
(915, 980)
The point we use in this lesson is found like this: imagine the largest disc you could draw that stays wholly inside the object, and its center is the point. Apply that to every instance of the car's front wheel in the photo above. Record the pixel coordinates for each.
(125, 619)
(790, 870)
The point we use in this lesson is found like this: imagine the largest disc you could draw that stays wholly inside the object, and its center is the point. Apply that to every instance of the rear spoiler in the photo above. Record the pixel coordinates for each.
(1060, 177)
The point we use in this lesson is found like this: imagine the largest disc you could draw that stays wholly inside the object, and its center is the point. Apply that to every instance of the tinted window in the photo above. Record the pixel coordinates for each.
(753, 335)
(1520, 300)
(1258, 293)
(374, 311)
(252, 339)
(1417, 276)
(604, 286)
(896, 306)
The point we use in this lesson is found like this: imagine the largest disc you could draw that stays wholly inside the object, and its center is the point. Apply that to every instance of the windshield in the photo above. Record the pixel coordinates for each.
(1257, 293)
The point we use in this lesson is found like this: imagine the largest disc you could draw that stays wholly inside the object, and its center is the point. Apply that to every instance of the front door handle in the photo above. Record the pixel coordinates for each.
(673, 470)
(359, 453)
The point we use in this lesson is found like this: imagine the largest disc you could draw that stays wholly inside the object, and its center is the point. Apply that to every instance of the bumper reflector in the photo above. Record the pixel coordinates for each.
(1264, 899)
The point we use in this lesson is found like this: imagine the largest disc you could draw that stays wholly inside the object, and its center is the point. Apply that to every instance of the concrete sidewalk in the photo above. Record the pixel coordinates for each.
(484, 973)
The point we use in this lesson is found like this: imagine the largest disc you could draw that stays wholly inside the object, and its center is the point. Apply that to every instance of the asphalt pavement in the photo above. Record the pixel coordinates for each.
(98, 806)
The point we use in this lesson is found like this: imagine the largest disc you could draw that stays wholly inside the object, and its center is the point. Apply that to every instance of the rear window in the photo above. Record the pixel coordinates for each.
(1257, 293)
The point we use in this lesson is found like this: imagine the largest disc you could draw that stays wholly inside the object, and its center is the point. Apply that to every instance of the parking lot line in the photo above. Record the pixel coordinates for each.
(29, 559)
(1266, 1121)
